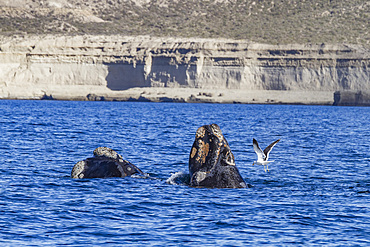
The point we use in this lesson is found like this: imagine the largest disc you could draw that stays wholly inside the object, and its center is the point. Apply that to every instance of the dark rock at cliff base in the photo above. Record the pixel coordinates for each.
(140, 99)
(211, 162)
(47, 97)
(352, 98)
(94, 97)
(105, 163)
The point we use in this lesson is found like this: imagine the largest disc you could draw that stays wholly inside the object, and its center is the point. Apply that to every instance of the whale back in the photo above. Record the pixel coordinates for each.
(105, 163)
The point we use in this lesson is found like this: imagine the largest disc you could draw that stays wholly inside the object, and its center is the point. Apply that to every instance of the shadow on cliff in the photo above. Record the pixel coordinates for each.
(122, 76)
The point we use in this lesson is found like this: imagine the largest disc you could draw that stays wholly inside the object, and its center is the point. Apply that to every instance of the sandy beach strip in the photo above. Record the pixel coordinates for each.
(162, 94)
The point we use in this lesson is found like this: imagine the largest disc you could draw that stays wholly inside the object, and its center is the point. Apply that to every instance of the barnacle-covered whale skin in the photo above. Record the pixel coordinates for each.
(211, 162)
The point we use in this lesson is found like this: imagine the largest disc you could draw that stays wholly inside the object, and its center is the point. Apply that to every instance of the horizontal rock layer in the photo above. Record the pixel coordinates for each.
(34, 66)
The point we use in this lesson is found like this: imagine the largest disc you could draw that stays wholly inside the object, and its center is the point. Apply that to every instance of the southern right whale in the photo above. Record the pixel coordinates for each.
(211, 162)
(105, 163)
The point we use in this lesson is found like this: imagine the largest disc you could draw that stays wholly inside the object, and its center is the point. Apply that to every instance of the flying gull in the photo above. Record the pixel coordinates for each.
(263, 156)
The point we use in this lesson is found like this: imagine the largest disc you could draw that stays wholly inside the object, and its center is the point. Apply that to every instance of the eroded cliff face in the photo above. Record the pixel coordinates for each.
(32, 66)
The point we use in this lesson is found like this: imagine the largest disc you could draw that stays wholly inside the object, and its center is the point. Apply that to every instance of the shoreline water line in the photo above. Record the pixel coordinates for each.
(186, 95)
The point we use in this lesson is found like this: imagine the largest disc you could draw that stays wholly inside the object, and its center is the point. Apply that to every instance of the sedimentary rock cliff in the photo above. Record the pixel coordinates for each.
(68, 49)
(33, 66)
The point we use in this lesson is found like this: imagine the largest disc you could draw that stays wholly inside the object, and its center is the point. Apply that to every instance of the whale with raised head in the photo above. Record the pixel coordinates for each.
(211, 162)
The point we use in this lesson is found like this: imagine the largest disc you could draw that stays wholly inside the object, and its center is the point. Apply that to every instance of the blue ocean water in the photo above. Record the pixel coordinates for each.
(316, 193)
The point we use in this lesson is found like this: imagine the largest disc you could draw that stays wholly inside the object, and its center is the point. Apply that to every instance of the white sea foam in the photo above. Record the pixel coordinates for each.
(179, 178)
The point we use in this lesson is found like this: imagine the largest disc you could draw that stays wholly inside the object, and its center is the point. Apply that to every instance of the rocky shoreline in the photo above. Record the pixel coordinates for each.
(193, 95)
(170, 95)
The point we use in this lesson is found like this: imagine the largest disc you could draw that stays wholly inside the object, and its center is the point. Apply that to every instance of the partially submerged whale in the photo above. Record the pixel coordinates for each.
(105, 163)
(211, 162)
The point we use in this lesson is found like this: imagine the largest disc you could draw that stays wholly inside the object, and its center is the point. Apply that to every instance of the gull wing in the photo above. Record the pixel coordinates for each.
(261, 155)
(268, 149)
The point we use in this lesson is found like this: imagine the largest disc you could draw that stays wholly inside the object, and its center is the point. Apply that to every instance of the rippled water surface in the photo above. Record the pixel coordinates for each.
(316, 193)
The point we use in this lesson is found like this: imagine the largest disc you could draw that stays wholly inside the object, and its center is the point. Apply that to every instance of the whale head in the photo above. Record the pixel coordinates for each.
(211, 161)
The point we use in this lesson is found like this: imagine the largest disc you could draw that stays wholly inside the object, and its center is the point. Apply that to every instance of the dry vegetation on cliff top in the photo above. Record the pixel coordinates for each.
(273, 21)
